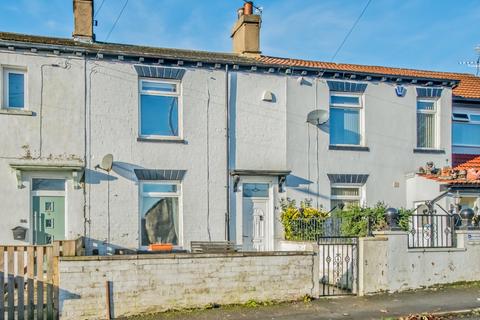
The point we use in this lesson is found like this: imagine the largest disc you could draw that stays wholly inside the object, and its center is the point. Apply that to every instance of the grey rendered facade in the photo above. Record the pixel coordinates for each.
(242, 124)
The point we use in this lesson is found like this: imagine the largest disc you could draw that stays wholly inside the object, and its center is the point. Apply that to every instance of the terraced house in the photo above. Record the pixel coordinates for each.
(131, 145)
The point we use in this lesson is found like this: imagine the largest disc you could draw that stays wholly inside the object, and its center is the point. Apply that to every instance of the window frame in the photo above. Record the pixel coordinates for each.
(361, 116)
(436, 113)
(455, 119)
(177, 94)
(468, 113)
(6, 70)
(178, 194)
(360, 197)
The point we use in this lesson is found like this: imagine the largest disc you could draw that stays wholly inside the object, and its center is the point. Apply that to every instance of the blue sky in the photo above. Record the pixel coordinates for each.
(422, 34)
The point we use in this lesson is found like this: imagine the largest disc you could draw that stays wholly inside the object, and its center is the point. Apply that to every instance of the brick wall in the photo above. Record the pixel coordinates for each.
(154, 283)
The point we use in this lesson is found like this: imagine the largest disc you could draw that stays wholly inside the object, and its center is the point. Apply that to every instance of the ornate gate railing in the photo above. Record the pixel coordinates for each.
(338, 265)
(432, 231)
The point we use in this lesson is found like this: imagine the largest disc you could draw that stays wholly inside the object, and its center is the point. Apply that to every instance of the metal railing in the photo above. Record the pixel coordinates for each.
(432, 231)
(314, 229)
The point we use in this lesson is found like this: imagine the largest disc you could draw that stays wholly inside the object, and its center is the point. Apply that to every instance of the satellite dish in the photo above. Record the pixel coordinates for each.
(317, 117)
(107, 162)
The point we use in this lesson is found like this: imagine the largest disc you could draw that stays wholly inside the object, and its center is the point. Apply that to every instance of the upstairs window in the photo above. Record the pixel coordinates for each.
(345, 119)
(466, 129)
(14, 88)
(159, 108)
(426, 124)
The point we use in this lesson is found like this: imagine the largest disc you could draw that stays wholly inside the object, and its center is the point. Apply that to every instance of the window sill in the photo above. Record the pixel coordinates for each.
(349, 148)
(16, 112)
(429, 151)
(165, 140)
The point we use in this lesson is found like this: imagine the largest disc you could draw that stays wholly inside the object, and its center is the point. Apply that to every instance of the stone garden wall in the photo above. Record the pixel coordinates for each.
(154, 283)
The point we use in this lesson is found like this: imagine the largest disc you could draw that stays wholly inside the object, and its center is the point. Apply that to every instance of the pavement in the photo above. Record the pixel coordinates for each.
(461, 299)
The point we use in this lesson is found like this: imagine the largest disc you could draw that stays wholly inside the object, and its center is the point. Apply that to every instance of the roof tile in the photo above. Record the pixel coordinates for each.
(469, 162)
(469, 86)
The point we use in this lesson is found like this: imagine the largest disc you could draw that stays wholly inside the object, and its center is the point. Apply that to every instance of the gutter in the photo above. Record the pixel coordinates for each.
(463, 99)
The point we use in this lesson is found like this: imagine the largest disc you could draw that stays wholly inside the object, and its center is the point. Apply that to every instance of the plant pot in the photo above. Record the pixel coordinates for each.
(163, 247)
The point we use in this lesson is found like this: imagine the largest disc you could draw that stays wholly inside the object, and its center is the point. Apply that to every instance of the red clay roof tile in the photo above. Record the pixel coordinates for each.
(460, 162)
(469, 86)
(466, 161)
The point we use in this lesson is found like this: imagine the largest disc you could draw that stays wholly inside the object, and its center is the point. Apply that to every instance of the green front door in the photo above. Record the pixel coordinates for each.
(48, 219)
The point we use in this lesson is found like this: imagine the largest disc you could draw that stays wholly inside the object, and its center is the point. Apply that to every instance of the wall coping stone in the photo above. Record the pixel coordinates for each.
(391, 232)
(380, 238)
(437, 250)
(475, 231)
(189, 256)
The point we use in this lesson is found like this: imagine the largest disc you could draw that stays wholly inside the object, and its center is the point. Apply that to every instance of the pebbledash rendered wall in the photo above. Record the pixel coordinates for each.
(386, 263)
(155, 283)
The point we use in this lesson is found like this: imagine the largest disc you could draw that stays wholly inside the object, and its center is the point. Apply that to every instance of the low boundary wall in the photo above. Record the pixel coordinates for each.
(155, 283)
(386, 263)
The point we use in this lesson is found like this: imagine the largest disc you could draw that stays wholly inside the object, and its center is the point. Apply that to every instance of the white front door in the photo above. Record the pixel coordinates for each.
(255, 216)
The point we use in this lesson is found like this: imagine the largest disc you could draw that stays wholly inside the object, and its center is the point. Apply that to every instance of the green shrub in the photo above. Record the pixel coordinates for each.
(303, 222)
(355, 219)
(404, 218)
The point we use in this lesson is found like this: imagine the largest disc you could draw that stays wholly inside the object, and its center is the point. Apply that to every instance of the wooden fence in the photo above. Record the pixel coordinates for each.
(29, 285)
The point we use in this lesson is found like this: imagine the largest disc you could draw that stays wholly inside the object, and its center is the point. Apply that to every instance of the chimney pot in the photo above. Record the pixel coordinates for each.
(248, 8)
(83, 20)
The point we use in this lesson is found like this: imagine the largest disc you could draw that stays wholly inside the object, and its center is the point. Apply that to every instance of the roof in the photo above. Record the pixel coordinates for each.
(466, 161)
(461, 162)
(468, 88)
(104, 47)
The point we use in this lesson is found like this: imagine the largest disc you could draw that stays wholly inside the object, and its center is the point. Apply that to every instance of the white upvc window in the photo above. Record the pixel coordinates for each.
(427, 124)
(346, 119)
(14, 88)
(466, 128)
(160, 213)
(346, 194)
(160, 110)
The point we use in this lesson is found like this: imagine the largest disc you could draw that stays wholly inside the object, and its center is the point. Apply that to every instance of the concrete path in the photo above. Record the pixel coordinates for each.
(385, 306)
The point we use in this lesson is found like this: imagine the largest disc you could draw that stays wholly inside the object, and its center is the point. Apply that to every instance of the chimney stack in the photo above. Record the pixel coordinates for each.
(246, 32)
(83, 20)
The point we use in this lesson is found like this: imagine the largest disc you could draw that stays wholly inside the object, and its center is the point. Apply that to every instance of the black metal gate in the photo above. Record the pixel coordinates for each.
(338, 265)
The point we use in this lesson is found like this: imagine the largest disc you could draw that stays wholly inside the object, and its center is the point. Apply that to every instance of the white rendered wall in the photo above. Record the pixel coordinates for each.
(57, 106)
(386, 263)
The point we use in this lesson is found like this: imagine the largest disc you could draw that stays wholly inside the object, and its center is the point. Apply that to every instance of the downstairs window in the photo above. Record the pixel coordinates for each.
(159, 220)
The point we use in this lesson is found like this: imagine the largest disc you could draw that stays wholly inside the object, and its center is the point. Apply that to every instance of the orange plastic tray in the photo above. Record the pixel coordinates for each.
(160, 247)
